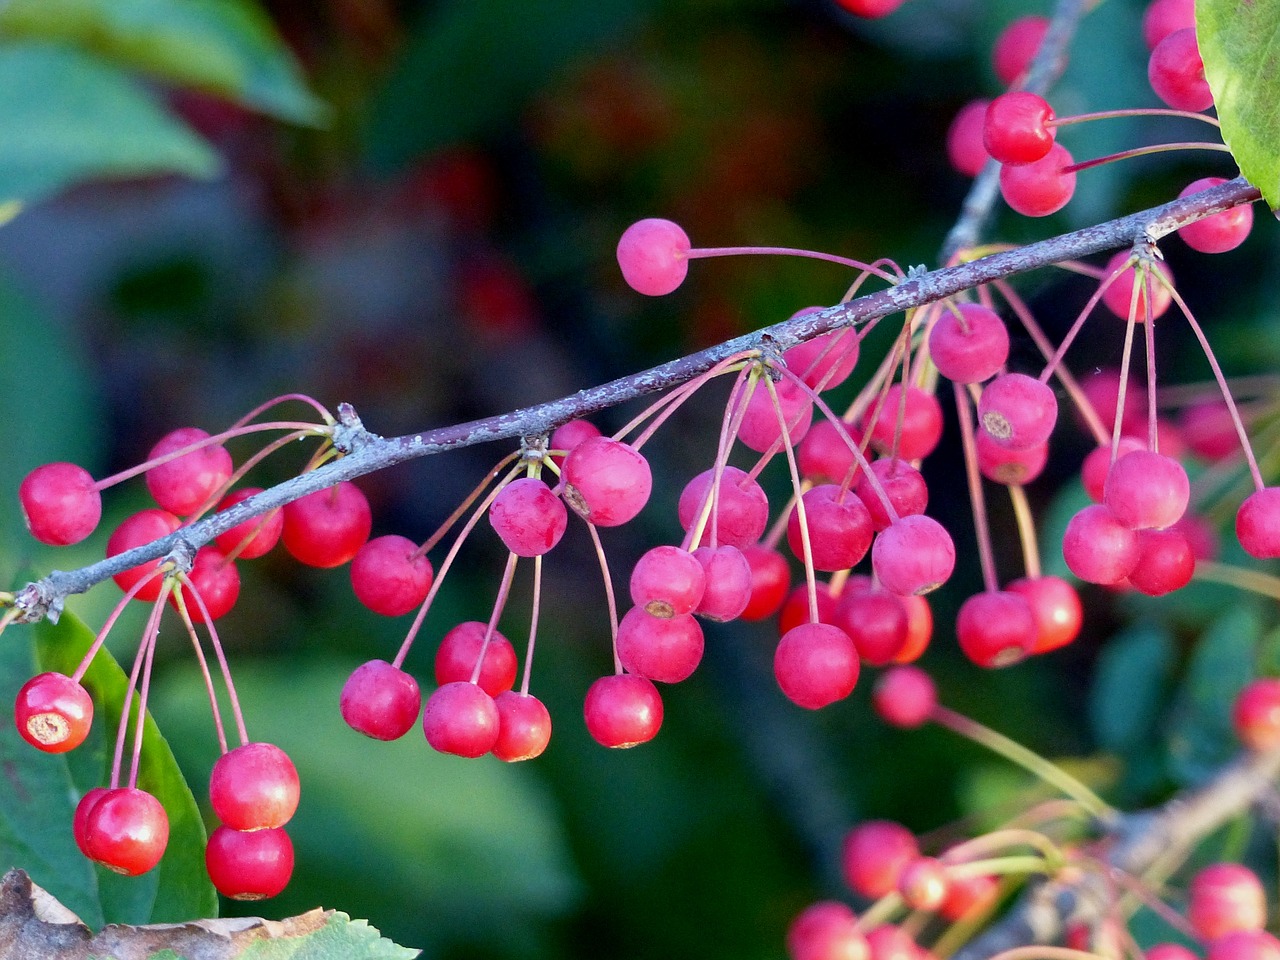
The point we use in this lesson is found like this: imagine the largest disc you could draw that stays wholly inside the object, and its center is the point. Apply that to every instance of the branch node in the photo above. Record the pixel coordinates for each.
(349, 433)
(38, 600)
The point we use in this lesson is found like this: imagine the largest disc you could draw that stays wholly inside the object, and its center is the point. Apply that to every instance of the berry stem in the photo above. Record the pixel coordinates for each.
(1144, 151)
(1126, 357)
(101, 638)
(1026, 530)
(979, 502)
(282, 399)
(443, 530)
(216, 642)
(880, 911)
(1002, 840)
(535, 607)
(149, 641)
(1056, 359)
(1149, 336)
(1242, 578)
(1029, 760)
(239, 474)
(504, 591)
(669, 403)
(1134, 112)
(866, 268)
(1000, 867)
(126, 708)
(181, 603)
(610, 600)
(806, 547)
(734, 412)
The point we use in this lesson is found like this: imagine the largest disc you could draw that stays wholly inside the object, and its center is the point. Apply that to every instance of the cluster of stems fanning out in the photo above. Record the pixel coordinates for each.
(843, 560)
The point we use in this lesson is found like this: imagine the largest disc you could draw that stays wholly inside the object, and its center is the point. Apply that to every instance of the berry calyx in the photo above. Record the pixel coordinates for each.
(254, 787)
(249, 865)
(654, 256)
(1017, 127)
(53, 713)
(460, 649)
(183, 485)
(606, 482)
(667, 581)
(1042, 187)
(461, 719)
(904, 697)
(380, 701)
(622, 710)
(327, 528)
(528, 517)
(524, 727)
(1017, 411)
(60, 503)
(390, 576)
(1255, 715)
(816, 664)
(127, 831)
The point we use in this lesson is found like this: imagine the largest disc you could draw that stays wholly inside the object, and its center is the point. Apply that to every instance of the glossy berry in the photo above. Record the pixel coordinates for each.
(1244, 945)
(970, 344)
(1225, 897)
(967, 896)
(1098, 548)
(874, 855)
(795, 609)
(921, 423)
(876, 622)
(80, 823)
(1017, 127)
(913, 556)
(665, 649)
(380, 701)
(1162, 17)
(1002, 465)
(654, 256)
(622, 710)
(770, 582)
(1040, 188)
(919, 629)
(1176, 72)
(839, 528)
(904, 697)
(254, 537)
(461, 719)
(217, 582)
(1219, 232)
(249, 865)
(1256, 714)
(528, 517)
(390, 576)
(900, 482)
(460, 649)
(606, 482)
(327, 528)
(53, 713)
(996, 628)
(965, 149)
(1119, 295)
(667, 581)
(815, 664)
(827, 930)
(1165, 562)
(185, 484)
(524, 727)
(1258, 523)
(568, 435)
(759, 429)
(1147, 490)
(825, 456)
(60, 503)
(127, 831)
(141, 528)
(924, 883)
(740, 512)
(1097, 464)
(254, 787)
(1016, 47)
(1056, 607)
(825, 361)
(1017, 411)
(728, 583)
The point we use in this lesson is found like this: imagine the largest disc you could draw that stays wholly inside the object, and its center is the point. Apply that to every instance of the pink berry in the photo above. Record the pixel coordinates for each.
(1017, 127)
(1162, 17)
(568, 435)
(1040, 188)
(183, 485)
(924, 883)
(1099, 548)
(826, 361)
(1225, 897)
(770, 582)
(524, 727)
(1017, 411)
(815, 664)
(667, 581)
(390, 576)
(622, 710)
(902, 483)
(1097, 464)
(1147, 490)
(1169, 951)
(970, 344)
(654, 256)
(742, 512)
(327, 528)
(1256, 714)
(249, 865)
(965, 149)
(380, 701)
(795, 609)
(1010, 467)
(1119, 295)
(914, 555)
(528, 517)
(827, 930)
(1220, 232)
(1176, 72)
(839, 528)
(53, 713)
(1209, 431)
(254, 537)
(919, 629)
(1244, 945)
(967, 896)
(759, 429)
(1055, 604)
(1102, 389)
(728, 583)
(1165, 562)
(141, 528)
(127, 831)
(667, 650)
(824, 456)
(876, 622)
(921, 423)
(1016, 47)
(254, 787)
(60, 503)
(1258, 523)
(874, 855)
(996, 628)
(217, 582)
(460, 649)
(606, 482)
(891, 942)
(905, 697)
(461, 719)
(871, 9)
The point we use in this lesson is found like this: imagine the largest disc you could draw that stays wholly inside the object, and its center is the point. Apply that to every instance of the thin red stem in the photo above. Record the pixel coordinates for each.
(976, 498)
(504, 591)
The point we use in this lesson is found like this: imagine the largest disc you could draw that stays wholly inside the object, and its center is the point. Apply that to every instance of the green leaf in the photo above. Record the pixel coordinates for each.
(71, 118)
(1240, 44)
(227, 47)
(473, 64)
(1129, 686)
(340, 939)
(179, 888)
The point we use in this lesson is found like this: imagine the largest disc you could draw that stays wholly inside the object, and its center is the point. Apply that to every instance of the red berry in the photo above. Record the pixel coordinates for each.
(905, 697)
(524, 727)
(528, 517)
(1017, 128)
(826, 361)
(1176, 72)
(60, 503)
(970, 344)
(839, 528)
(1009, 467)
(183, 485)
(824, 456)
(1040, 188)
(759, 428)
(327, 528)
(728, 583)
(1147, 490)
(568, 435)
(770, 581)
(871, 9)
(380, 701)
(795, 609)
(53, 712)
(996, 628)
(80, 823)
(902, 484)
(1258, 523)
(390, 576)
(815, 664)
(924, 883)
(1119, 295)
(1098, 548)
(1169, 951)
(965, 149)
(1245, 945)
(1017, 411)
(1220, 232)
(740, 513)
(1225, 897)
(921, 424)
(461, 719)
(654, 256)
(607, 482)
(667, 581)
(1165, 562)
(919, 629)
(874, 855)
(890, 942)
(1256, 714)
(1209, 431)
(1016, 47)
(667, 649)
(460, 649)
(126, 831)
(1097, 464)
(622, 710)
(969, 895)
(827, 930)
(249, 865)
(141, 528)
(914, 555)
(1162, 17)
(254, 537)
(876, 622)
(217, 582)
(1055, 605)
(254, 787)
